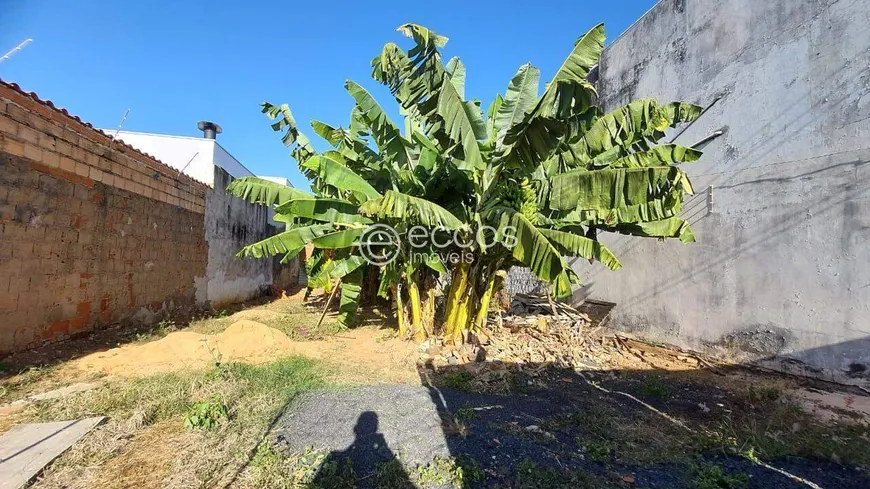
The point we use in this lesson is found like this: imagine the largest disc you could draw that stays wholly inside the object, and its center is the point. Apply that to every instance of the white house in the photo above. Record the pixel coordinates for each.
(194, 156)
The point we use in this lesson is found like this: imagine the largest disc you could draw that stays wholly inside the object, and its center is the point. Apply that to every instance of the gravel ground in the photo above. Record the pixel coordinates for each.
(369, 424)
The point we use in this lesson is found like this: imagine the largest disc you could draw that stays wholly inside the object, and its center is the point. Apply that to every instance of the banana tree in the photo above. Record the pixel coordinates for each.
(551, 167)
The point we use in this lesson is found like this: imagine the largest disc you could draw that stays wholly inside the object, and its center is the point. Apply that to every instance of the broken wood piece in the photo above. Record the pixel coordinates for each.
(27, 448)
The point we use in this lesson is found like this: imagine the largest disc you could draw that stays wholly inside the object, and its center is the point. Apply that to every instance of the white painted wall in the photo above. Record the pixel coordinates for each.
(196, 157)
(281, 180)
(223, 159)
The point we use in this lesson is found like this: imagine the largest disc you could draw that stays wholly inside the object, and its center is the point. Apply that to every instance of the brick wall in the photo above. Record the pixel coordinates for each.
(93, 231)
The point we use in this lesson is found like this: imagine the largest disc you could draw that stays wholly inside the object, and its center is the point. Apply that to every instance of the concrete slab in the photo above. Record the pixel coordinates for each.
(368, 425)
(27, 448)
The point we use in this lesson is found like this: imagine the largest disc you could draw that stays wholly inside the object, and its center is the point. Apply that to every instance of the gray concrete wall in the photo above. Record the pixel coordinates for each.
(781, 269)
(230, 224)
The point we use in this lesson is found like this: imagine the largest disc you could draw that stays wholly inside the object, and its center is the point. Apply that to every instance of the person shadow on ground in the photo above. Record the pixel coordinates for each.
(367, 462)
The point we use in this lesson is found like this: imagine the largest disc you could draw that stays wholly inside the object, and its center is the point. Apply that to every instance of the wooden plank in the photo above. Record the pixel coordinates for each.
(26, 449)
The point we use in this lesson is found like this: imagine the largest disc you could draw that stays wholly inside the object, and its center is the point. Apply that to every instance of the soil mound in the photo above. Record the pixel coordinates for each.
(243, 340)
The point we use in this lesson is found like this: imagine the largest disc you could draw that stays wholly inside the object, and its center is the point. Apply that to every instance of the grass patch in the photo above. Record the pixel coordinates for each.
(310, 469)
(767, 424)
(710, 476)
(22, 383)
(529, 475)
(313, 469)
(656, 386)
(250, 397)
(606, 432)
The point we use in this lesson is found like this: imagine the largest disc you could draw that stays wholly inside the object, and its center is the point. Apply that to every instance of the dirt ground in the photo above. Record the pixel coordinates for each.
(366, 353)
(629, 414)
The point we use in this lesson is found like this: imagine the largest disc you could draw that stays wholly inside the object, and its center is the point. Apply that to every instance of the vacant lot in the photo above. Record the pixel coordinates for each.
(264, 397)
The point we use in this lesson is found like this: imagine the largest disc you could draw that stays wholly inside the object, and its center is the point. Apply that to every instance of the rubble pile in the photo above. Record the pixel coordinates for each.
(535, 330)
(538, 332)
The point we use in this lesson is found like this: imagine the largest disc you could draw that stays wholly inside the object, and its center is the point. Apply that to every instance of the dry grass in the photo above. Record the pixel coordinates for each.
(145, 417)
(288, 316)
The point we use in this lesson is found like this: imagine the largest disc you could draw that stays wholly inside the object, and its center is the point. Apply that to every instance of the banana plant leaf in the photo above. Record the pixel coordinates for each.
(535, 251)
(324, 210)
(387, 135)
(288, 241)
(344, 238)
(666, 228)
(259, 191)
(335, 270)
(351, 288)
(602, 190)
(399, 206)
(574, 245)
(521, 95)
(341, 177)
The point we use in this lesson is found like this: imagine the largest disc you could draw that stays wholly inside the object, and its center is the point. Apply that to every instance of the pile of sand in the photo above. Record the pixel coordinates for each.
(360, 354)
(244, 340)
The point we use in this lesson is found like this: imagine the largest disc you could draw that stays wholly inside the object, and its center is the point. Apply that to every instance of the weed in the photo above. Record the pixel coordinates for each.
(633, 436)
(206, 414)
(709, 476)
(392, 475)
(165, 327)
(466, 470)
(655, 386)
(598, 451)
(766, 424)
(310, 469)
(459, 379)
(465, 414)
(763, 395)
(220, 313)
(529, 475)
(22, 384)
(457, 472)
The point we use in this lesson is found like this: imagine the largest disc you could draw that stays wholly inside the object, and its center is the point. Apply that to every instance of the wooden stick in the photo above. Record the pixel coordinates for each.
(328, 301)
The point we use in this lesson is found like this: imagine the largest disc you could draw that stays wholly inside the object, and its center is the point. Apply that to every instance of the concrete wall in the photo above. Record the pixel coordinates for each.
(230, 224)
(91, 231)
(781, 269)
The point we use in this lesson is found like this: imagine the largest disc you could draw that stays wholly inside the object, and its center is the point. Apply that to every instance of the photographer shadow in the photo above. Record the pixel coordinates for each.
(367, 462)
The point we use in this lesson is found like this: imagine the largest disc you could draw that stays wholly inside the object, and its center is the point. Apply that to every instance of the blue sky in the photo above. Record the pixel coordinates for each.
(174, 63)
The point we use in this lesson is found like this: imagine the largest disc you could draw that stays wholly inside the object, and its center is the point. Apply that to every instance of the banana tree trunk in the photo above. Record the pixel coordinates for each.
(483, 309)
(468, 301)
(400, 311)
(419, 334)
(456, 301)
